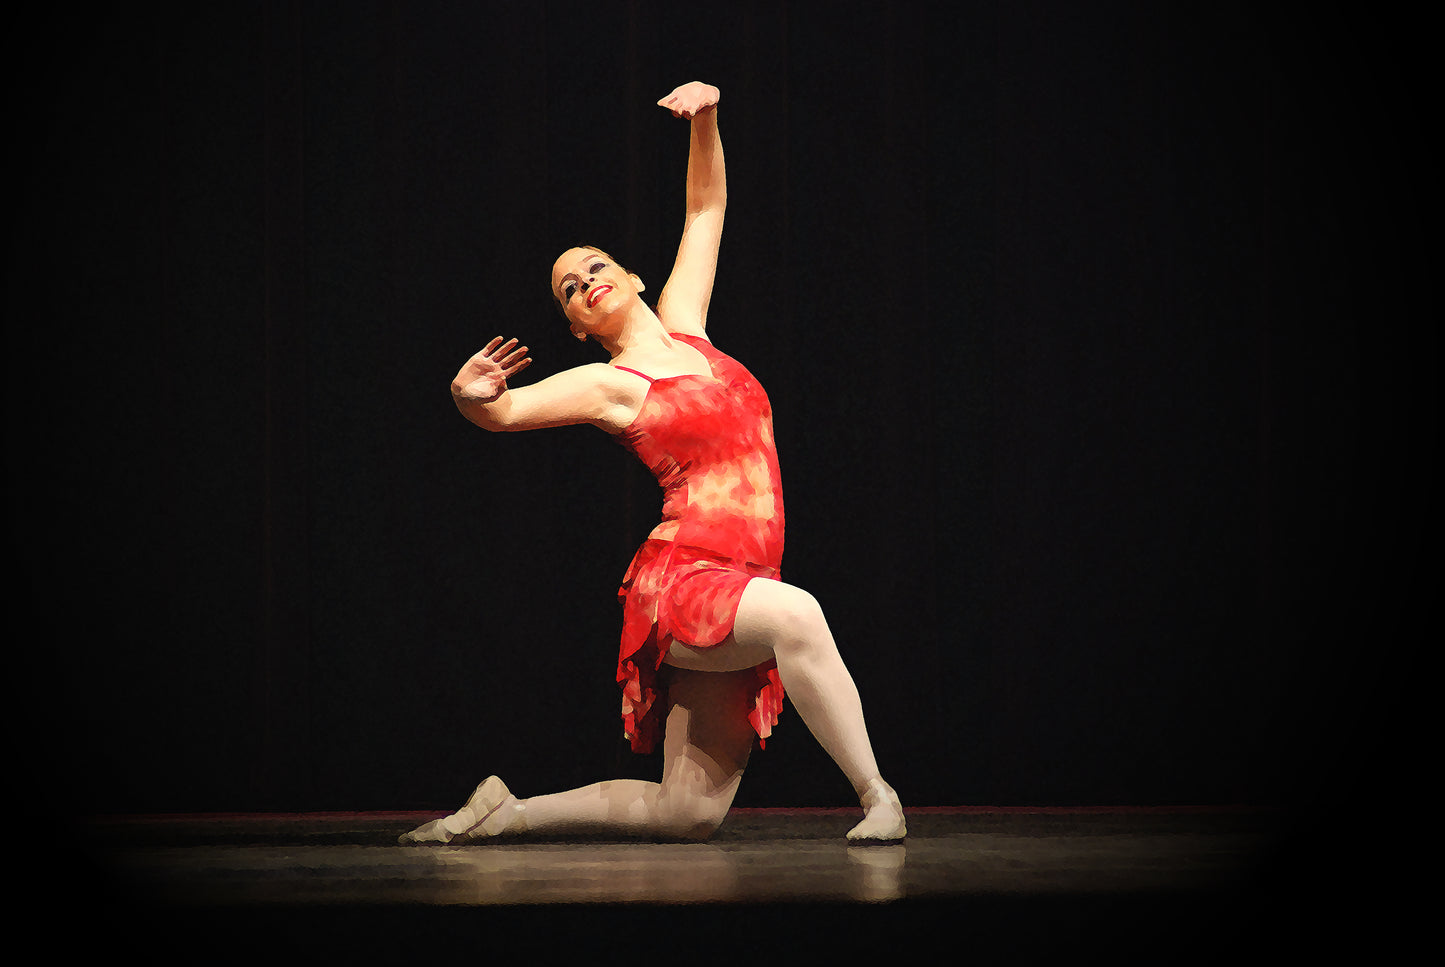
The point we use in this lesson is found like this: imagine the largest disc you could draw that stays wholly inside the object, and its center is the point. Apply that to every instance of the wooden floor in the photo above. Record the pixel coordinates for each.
(1126, 885)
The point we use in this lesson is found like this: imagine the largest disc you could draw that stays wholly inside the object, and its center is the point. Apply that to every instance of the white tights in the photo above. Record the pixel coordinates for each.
(708, 738)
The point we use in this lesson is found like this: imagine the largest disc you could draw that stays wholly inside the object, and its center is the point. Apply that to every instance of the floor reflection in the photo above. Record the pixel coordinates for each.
(763, 858)
(877, 872)
(650, 873)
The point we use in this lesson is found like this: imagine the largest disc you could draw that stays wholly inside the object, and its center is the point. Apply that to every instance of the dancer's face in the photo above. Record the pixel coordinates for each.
(589, 286)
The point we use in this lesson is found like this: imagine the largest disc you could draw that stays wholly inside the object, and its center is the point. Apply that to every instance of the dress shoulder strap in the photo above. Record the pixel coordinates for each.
(635, 373)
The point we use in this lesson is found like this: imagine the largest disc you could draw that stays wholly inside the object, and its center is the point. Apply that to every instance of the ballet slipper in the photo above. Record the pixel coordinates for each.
(495, 811)
(490, 811)
(882, 816)
(432, 832)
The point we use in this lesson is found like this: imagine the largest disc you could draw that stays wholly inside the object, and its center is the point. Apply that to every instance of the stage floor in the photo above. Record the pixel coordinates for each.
(1149, 883)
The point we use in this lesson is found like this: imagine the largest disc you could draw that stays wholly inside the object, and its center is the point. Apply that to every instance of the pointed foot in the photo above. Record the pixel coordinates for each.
(490, 811)
(432, 832)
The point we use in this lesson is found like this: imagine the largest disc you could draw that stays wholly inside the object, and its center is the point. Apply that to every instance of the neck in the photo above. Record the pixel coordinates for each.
(639, 327)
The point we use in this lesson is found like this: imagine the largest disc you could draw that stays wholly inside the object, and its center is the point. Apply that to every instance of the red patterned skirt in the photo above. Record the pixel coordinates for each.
(673, 592)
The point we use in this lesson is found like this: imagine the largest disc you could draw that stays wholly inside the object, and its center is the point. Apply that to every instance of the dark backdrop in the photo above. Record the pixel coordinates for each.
(1070, 315)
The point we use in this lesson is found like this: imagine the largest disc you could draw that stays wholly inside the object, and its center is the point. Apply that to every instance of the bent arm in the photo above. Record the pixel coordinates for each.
(586, 394)
(684, 301)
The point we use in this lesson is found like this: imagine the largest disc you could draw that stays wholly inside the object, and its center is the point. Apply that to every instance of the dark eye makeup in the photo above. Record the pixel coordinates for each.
(570, 288)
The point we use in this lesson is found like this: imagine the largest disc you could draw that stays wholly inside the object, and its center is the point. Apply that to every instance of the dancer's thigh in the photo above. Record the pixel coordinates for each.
(766, 611)
(708, 737)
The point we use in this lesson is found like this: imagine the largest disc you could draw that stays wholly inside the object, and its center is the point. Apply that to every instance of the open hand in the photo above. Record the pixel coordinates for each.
(691, 99)
(485, 375)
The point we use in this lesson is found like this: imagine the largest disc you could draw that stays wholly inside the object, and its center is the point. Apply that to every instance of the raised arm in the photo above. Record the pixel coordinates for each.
(585, 394)
(684, 301)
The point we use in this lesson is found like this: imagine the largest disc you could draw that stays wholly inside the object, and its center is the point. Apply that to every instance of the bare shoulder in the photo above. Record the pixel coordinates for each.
(602, 374)
(620, 396)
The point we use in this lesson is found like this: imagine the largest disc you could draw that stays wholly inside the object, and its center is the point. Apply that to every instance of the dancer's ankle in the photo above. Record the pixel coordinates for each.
(510, 819)
(876, 790)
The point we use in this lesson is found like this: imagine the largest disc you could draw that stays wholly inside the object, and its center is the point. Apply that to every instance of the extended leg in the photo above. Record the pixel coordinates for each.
(705, 748)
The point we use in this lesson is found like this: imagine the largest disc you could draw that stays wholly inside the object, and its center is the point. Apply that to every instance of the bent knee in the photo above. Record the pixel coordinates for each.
(787, 615)
(691, 819)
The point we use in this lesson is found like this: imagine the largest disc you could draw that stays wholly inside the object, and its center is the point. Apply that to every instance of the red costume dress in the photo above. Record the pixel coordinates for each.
(709, 442)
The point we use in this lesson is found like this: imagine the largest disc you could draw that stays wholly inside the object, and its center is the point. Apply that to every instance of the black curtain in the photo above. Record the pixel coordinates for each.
(1070, 316)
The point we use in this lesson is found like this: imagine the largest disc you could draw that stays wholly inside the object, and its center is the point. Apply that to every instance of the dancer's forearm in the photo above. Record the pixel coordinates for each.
(707, 188)
(489, 414)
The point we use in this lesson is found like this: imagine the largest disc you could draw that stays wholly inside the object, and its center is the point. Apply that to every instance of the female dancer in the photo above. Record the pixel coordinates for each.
(710, 636)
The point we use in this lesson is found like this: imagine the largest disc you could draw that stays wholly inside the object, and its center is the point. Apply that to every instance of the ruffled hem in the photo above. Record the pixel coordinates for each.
(768, 704)
(674, 592)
